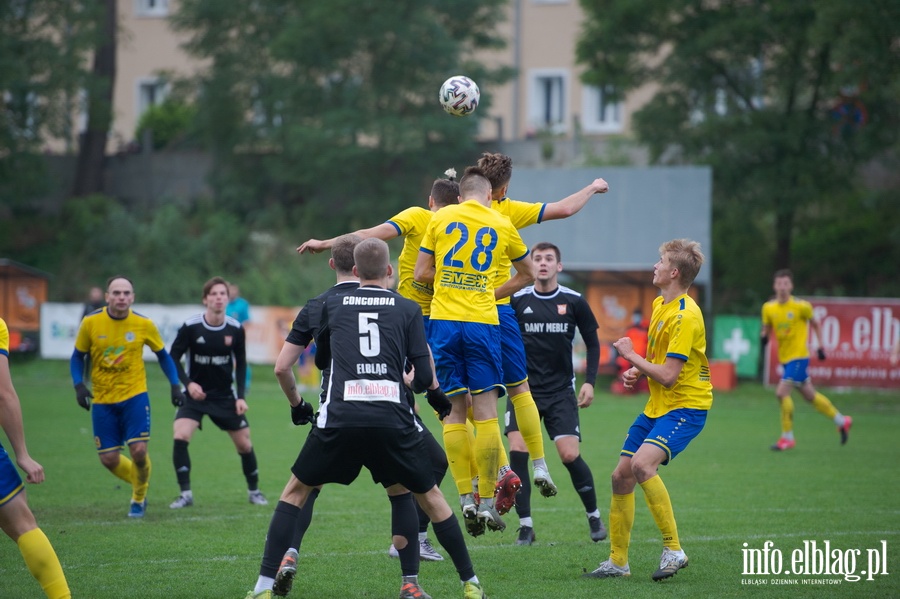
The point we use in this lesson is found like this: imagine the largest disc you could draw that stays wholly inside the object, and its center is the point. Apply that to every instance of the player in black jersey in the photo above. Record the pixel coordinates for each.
(366, 338)
(213, 344)
(548, 315)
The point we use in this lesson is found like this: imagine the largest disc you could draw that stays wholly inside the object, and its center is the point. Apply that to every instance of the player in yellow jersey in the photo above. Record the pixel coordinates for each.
(114, 337)
(16, 518)
(680, 397)
(460, 255)
(789, 319)
(498, 169)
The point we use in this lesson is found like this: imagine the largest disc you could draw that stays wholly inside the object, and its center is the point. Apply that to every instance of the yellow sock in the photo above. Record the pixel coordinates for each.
(529, 423)
(470, 430)
(459, 455)
(824, 406)
(787, 414)
(123, 470)
(621, 519)
(661, 507)
(488, 447)
(43, 564)
(141, 480)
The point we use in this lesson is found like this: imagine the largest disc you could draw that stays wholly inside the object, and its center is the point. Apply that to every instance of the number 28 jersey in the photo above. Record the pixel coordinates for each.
(468, 241)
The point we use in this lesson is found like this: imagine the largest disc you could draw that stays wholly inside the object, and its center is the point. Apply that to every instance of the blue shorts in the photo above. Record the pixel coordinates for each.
(427, 322)
(119, 424)
(672, 432)
(515, 367)
(10, 481)
(466, 356)
(795, 371)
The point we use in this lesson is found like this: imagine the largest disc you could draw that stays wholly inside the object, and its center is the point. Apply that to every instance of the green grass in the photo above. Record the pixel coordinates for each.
(727, 489)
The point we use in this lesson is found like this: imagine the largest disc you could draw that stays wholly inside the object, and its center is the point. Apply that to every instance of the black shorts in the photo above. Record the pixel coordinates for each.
(392, 455)
(559, 412)
(220, 411)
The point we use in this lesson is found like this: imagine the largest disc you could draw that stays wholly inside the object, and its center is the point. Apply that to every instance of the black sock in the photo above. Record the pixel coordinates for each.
(251, 472)
(583, 481)
(403, 524)
(304, 518)
(519, 462)
(281, 529)
(439, 467)
(450, 536)
(182, 462)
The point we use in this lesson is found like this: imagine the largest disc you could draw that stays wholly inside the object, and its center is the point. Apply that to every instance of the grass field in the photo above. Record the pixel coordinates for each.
(728, 489)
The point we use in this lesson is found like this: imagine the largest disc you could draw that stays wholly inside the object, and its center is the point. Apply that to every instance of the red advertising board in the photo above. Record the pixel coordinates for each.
(858, 335)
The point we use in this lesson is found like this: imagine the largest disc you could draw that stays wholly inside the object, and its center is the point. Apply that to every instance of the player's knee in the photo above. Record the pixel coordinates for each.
(568, 455)
(622, 477)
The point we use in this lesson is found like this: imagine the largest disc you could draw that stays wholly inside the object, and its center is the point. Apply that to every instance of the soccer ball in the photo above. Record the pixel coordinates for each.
(459, 95)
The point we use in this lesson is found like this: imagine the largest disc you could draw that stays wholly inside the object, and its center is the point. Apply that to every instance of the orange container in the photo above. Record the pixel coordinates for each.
(722, 374)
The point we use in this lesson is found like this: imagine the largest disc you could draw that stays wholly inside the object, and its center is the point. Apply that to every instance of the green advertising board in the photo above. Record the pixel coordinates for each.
(736, 339)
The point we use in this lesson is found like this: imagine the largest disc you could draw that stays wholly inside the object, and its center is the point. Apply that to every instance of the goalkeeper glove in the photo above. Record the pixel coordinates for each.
(302, 413)
(439, 402)
(83, 396)
(178, 397)
(820, 353)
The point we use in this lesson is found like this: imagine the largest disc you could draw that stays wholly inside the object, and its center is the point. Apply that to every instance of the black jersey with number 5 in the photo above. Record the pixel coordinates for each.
(366, 337)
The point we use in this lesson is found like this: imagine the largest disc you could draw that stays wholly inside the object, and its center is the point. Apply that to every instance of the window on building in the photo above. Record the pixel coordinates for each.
(152, 8)
(548, 107)
(150, 92)
(600, 114)
(22, 112)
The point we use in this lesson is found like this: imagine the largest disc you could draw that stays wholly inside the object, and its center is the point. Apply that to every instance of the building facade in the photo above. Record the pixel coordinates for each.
(545, 103)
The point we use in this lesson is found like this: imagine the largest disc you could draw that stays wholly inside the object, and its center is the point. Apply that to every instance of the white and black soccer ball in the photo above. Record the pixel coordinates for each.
(460, 95)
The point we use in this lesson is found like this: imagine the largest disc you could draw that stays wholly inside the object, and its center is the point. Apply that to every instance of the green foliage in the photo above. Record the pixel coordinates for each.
(169, 122)
(43, 45)
(727, 489)
(170, 251)
(341, 97)
(750, 88)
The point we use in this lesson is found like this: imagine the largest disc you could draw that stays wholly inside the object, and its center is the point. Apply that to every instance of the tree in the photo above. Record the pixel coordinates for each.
(785, 99)
(92, 149)
(334, 104)
(168, 122)
(43, 44)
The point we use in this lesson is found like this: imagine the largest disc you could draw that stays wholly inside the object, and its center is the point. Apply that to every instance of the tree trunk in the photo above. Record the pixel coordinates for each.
(92, 146)
(784, 225)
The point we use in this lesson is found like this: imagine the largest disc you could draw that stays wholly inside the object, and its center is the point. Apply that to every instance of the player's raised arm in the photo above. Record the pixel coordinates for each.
(572, 204)
(384, 231)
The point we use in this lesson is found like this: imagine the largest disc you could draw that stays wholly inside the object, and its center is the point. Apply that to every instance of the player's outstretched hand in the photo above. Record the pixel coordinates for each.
(439, 402)
(178, 397)
(312, 246)
(820, 353)
(83, 396)
(302, 413)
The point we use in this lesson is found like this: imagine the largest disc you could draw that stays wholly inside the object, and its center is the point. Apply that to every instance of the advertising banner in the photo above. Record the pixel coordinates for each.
(858, 334)
(265, 331)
